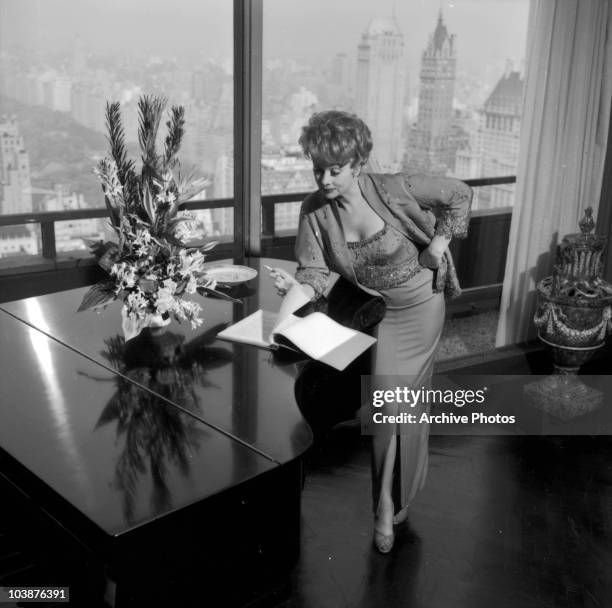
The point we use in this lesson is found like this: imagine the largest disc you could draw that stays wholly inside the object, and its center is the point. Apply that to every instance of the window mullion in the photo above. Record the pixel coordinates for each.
(248, 33)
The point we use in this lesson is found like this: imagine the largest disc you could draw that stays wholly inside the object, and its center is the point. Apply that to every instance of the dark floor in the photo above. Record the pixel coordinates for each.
(504, 522)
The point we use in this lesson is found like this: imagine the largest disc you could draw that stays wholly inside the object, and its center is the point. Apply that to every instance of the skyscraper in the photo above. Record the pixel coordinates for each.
(15, 186)
(501, 125)
(380, 90)
(431, 149)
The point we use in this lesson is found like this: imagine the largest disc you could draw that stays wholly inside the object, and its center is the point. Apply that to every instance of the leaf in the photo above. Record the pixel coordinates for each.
(176, 130)
(205, 291)
(209, 246)
(116, 139)
(99, 248)
(109, 258)
(148, 203)
(202, 248)
(150, 113)
(99, 295)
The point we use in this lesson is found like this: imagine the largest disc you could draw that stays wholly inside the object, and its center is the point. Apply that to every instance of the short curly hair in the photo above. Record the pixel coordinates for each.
(334, 137)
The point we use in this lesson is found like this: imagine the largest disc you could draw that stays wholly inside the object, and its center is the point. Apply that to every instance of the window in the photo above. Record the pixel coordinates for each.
(434, 81)
(62, 60)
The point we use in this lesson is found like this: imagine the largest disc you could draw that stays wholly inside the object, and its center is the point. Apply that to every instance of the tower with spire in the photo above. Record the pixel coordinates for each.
(380, 90)
(431, 149)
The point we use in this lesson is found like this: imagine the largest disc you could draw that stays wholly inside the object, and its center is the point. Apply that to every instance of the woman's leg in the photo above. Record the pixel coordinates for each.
(407, 339)
(384, 460)
(383, 513)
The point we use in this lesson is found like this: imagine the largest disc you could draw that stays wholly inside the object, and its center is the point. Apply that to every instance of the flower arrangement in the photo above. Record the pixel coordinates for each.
(151, 268)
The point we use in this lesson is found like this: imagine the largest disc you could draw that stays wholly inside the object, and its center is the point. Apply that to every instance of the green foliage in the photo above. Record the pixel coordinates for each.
(99, 295)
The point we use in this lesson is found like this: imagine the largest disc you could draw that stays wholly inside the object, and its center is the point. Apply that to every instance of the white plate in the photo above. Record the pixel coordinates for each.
(229, 274)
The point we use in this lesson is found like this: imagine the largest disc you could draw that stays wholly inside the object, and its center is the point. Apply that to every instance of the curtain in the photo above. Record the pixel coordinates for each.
(566, 112)
(604, 217)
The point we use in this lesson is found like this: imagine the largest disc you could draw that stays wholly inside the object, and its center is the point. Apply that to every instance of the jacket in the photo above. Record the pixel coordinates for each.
(418, 206)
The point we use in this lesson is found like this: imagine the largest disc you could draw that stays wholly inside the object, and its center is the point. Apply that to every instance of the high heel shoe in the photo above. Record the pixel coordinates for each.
(383, 542)
(383, 520)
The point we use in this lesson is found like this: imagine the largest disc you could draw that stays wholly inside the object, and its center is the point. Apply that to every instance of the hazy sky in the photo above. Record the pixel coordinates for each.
(303, 29)
(494, 29)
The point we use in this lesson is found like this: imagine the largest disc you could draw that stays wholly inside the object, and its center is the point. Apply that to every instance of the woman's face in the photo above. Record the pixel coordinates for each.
(334, 180)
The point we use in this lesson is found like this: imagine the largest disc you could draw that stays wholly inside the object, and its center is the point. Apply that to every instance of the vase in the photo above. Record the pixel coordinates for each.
(573, 319)
(572, 329)
(133, 326)
(575, 303)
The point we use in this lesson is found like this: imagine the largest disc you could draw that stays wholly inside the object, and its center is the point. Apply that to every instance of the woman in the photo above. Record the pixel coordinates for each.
(389, 235)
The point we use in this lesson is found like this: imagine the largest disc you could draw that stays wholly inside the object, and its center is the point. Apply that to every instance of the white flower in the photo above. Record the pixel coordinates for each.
(191, 311)
(192, 285)
(126, 275)
(182, 231)
(185, 261)
(136, 304)
(165, 300)
(187, 310)
(142, 238)
(170, 285)
(106, 171)
(190, 263)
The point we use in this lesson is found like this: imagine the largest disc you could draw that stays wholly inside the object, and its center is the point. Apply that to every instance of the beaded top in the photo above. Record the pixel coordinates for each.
(384, 260)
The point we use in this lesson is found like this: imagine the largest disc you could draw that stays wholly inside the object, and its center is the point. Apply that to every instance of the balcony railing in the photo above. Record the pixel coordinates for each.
(480, 258)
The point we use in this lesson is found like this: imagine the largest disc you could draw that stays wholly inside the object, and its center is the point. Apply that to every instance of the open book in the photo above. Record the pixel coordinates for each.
(316, 334)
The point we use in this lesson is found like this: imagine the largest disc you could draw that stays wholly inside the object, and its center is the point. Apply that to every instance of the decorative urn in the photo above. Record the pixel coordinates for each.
(574, 303)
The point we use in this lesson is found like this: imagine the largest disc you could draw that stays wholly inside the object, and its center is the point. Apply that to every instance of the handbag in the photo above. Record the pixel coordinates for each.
(324, 395)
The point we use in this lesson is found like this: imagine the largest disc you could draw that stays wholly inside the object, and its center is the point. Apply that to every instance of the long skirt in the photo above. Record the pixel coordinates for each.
(407, 339)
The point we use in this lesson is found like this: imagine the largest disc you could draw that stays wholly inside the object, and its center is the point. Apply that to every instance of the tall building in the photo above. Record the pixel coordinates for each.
(380, 90)
(501, 125)
(431, 145)
(15, 186)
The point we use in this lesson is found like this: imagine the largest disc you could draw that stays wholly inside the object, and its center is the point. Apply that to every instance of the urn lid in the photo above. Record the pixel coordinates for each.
(578, 269)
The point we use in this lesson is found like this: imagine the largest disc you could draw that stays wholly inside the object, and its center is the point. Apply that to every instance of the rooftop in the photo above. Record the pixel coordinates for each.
(507, 92)
(382, 26)
(441, 35)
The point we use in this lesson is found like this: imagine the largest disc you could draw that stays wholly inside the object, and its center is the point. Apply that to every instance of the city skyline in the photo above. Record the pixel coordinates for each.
(77, 82)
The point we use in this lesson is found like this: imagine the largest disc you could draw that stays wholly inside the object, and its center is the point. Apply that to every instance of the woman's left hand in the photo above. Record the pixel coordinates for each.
(430, 258)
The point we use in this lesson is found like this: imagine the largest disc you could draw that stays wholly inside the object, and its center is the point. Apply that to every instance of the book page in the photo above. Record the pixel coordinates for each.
(258, 328)
(295, 298)
(255, 329)
(347, 352)
(317, 334)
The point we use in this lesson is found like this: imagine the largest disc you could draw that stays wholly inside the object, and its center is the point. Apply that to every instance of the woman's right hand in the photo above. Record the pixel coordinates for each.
(283, 281)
